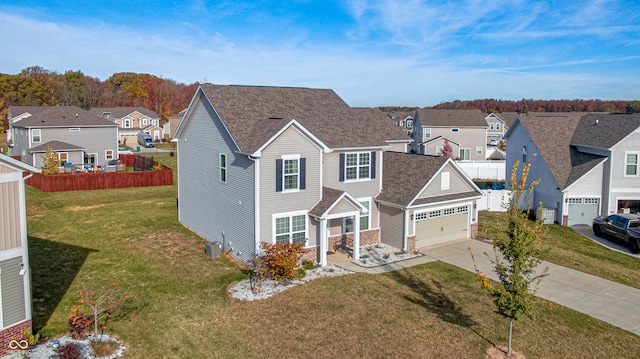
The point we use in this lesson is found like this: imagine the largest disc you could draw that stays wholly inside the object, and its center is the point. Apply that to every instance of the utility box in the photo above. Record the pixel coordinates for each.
(213, 249)
(546, 215)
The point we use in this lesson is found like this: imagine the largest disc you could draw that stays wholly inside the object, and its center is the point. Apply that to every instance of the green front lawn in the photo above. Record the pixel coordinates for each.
(84, 240)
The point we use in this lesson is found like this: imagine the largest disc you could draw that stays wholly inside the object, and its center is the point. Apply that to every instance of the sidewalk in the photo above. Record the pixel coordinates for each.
(614, 303)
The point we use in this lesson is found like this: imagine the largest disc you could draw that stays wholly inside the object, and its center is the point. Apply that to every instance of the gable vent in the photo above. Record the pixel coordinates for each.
(275, 118)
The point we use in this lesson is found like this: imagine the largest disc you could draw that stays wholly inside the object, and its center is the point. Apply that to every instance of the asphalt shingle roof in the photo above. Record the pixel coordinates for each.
(604, 130)
(253, 114)
(405, 174)
(58, 116)
(552, 134)
(120, 112)
(430, 117)
(329, 197)
(55, 145)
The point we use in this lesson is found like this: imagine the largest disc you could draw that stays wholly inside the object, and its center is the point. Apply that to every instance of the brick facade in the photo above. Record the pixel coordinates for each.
(15, 332)
(474, 231)
(311, 255)
(346, 240)
(411, 244)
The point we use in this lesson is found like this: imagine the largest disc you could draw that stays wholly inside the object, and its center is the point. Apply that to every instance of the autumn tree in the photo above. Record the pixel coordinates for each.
(517, 256)
(51, 163)
(447, 151)
(633, 106)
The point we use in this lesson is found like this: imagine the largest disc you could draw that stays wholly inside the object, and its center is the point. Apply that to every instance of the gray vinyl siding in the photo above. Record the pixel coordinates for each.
(20, 141)
(13, 292)
(343, 206)
(358, 189)
(392, 226)
(620, 184)
(456, 184)
(93, 139)
(290, 142)
(222, 212)
(11, 225)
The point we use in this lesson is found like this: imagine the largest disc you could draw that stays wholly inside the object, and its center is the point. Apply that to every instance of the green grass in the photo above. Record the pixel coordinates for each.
(87, 239)
(568, 248)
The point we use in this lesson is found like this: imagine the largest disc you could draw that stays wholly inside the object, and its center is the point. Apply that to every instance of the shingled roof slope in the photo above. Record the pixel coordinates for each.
(120, 112)
(254, 114)
(451, 118)
(62, 116)
(55, 145)
(552, 133)
(405, 174)
(604, 130)
(377, 127)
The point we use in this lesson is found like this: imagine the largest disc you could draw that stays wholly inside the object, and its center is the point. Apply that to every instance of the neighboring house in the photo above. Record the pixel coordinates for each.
(403, 119)
(75, 135)
(15, 282)
(588, 163)
(498, 125)
(169, 127)
(465, 130)
(131, 121)
(298, 165)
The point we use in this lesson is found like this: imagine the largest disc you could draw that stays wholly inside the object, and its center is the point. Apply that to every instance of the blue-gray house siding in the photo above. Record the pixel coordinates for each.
(216, 210)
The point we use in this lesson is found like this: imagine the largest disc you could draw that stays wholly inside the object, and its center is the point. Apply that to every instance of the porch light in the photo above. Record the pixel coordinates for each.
(22, 270)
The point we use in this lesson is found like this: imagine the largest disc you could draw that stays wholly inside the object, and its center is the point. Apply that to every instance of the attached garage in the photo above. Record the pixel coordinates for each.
(583, 210)
(441, 225)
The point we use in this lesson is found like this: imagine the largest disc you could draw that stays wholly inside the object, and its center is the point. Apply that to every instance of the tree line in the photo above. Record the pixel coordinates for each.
(36, 86)
(531, 105)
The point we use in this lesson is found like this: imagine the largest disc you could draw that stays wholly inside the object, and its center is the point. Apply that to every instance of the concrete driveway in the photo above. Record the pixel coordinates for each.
(588, 232)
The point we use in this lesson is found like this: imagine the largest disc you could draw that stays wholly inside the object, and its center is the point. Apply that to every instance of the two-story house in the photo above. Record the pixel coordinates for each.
(498, 124)
(404, 119)
(75, 135)
(131, 121)
(587, 162)
(15, 282)
(298, 165)
(464, 130)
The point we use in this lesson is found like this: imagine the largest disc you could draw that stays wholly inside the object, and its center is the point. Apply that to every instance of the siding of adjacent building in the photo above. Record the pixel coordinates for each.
(10, 229)
(218, 211)
(93, 139)
(456, 184)
(13, 292)
(392, 226)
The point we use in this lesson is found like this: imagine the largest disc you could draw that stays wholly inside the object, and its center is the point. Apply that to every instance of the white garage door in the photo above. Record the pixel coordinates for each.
(441, 226)
(582, 210)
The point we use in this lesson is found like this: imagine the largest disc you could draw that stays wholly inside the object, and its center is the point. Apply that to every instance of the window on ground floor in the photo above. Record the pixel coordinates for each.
(291, 229)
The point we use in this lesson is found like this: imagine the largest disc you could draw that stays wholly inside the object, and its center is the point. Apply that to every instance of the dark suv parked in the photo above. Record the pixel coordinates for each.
(624, 228)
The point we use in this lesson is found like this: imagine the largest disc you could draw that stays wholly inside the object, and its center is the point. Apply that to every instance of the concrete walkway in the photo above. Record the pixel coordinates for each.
(599, 298)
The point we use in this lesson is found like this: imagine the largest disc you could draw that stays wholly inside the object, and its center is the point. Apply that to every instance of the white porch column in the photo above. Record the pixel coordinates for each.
(356, 236)
(324, 242)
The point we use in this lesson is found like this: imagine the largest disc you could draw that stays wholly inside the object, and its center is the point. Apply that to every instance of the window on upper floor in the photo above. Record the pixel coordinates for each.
(35, 135)
(479, 150)
(290, 173)
(427, 133)
(144, 121)
(492, 126)
(409, 123)
(631, 164)
(357, 166)
(497, 126)
(222, 164)
(291, 229)
(455, 130)
(127, 123)
(524, 154)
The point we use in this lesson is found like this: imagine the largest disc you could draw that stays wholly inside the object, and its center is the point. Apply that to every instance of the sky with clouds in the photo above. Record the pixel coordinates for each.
(371, 53)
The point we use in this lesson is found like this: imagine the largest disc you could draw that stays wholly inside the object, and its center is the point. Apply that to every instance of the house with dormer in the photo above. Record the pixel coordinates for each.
(465, 130)
(131, 121)
(587, 163)
(299, 165)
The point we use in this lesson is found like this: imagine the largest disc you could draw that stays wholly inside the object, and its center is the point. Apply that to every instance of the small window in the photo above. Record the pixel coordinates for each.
(464, 154)
(479, 150)
(144, 121)
(127, 123)
(364, 219)
(108, 155)
(74, 129)
(491, 126)
(631, 164)
(35, 135)
(498, 126)
(427, 133)
(455, 130)
(409, 123)
(223, 168)
(290, 174)
(439, 150)
(524, 154)
(62, 157)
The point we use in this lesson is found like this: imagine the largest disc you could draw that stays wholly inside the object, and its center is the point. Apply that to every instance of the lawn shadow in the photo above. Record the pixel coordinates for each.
(432, 297)
(54, 266)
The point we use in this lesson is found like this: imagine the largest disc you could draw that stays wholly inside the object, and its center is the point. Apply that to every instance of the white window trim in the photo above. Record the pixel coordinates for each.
(285, 158)
(455, 129)
(637, 164)
(427, 132)
(58, 156)
(439, 150)
(290, 215)
(460, 154)
(225, 167)
(368, 215)
(33, 135)
(445, 180)
(106, 155)
(357, 179)
(479, 150)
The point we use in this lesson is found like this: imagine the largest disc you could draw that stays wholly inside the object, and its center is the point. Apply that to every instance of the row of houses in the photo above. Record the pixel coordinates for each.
(78, 136)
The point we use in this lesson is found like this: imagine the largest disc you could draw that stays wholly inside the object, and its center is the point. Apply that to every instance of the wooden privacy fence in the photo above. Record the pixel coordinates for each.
(101, 180)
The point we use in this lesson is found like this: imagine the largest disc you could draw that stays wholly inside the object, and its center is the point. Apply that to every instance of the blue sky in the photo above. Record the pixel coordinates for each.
(372, 53)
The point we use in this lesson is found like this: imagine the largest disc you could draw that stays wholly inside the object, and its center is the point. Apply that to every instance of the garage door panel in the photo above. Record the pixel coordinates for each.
(441, 229)
(582, 212)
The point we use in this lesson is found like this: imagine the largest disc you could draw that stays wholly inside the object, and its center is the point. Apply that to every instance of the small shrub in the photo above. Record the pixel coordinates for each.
(103, 348)
(300, 273)
(70, 350)
(281, 259)
(79, 323)
(308, 265)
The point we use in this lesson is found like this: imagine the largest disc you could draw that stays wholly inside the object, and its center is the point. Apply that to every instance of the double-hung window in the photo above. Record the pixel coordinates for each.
(631, 164)
(36, 135)
(364, 217)
(357, 166)
(290, 173)
(223, 168)
(291, 229)
(464, 154)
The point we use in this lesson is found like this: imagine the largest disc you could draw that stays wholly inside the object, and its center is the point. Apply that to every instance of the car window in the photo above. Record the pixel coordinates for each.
(619, 221)
(634, 224)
